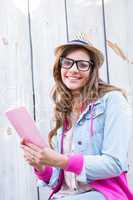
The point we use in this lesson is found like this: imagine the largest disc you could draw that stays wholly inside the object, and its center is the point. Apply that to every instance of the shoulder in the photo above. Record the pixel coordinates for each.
(115, 94)
(115, 97)
(116, 101)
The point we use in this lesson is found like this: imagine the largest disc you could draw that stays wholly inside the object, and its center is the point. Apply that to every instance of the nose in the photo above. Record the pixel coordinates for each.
(74, 68)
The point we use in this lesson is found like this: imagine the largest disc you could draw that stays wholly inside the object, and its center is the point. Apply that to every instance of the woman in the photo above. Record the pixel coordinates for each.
(89, 141)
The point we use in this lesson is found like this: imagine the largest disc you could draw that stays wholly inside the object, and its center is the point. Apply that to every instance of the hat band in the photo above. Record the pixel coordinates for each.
(77, 41)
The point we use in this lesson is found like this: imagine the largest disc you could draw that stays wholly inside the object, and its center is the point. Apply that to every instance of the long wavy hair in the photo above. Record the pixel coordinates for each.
(63, 97)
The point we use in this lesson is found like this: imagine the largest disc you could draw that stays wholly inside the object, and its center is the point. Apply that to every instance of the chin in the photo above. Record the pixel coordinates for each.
(73, 88)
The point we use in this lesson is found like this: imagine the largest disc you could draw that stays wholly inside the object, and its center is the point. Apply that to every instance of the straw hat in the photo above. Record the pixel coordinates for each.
(87, 45)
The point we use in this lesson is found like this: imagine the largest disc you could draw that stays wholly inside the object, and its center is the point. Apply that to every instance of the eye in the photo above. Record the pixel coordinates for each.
(83, 65)
(66, 62)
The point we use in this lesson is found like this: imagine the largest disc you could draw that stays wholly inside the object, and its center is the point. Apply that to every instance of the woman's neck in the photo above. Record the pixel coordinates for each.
(77, 100)
(79, 103)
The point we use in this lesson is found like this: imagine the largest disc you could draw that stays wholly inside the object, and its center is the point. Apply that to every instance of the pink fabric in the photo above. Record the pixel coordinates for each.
(114, 188)
(44, 175)
(75, 163)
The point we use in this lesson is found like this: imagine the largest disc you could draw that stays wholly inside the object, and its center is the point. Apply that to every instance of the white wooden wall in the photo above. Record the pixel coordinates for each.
(26, 69)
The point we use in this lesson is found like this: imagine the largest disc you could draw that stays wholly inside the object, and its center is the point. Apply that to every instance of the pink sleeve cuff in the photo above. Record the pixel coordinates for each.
(45, 174)
(75, 163)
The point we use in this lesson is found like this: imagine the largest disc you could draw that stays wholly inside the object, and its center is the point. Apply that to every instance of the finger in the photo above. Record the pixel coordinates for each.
(23, 141)
(30, 161)
(30, 158)
(37, 152)
(28, 155)
(33, 162)
(29, 150)
(33, 146)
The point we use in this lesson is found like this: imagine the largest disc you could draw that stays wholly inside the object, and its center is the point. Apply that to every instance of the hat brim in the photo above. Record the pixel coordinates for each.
(97, 52)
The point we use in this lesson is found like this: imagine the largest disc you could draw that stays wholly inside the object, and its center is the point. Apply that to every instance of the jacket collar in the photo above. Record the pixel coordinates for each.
(88, 109)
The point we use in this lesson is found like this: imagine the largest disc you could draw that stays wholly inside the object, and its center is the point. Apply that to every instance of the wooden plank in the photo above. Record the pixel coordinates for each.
(16, 181)
(117, 29)
(86, 17)
(130, 71)
(48, 30)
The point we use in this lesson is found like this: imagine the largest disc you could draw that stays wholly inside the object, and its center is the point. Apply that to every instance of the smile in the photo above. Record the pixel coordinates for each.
(73, 78)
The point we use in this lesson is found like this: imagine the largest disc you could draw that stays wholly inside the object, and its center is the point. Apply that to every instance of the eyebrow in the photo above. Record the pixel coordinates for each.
(77, 60)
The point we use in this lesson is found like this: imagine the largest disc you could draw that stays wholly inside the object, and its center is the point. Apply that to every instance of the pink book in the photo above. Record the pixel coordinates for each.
(25, 126)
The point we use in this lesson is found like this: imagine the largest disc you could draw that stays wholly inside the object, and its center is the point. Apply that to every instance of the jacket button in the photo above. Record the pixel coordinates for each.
(79, 142)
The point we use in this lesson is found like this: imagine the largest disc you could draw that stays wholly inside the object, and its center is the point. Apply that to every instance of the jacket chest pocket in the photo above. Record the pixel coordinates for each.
(83, 140)
(83, 144)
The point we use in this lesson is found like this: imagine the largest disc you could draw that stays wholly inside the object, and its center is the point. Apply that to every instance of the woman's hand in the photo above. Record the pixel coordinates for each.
(29, 156)
(38, 157)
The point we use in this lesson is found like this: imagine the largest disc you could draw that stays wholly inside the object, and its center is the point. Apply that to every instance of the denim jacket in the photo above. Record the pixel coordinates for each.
(105, 152)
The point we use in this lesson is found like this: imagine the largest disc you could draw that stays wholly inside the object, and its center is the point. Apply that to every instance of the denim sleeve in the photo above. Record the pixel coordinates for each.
(113, 158)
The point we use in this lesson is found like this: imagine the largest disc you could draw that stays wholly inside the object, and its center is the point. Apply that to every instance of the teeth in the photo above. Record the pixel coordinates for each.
(73, 78)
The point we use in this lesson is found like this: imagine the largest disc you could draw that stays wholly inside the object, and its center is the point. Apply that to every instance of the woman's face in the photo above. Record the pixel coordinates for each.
(73, 78)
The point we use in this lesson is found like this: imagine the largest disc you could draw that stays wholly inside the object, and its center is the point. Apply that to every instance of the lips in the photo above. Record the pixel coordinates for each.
(73, 77)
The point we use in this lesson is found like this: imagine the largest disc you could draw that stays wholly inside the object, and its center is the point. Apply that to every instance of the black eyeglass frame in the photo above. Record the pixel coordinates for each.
(76, 61)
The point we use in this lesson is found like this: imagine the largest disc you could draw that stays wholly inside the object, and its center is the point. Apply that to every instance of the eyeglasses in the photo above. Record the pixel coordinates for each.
(82, 65)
